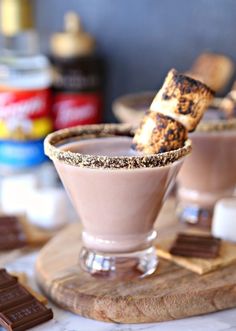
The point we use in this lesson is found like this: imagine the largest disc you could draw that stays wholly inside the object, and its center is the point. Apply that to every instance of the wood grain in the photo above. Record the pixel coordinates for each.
(171, 293)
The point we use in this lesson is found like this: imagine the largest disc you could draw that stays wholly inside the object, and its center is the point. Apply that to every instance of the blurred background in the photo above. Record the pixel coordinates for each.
(142, 39)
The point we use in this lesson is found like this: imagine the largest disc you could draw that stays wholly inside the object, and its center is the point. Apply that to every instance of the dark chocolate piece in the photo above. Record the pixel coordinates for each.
(25, 316)
(206, 247)
(13, 295)
(6, 279)
(12, 234)
(19, 309)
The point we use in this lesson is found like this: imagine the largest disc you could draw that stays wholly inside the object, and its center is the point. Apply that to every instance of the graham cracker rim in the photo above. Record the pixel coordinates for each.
(54, 152)
(217, 125)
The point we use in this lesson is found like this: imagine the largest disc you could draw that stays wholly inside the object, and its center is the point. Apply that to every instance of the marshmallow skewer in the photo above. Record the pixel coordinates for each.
(215, 70)
(183, 99)
(159, 133)
(177, 108)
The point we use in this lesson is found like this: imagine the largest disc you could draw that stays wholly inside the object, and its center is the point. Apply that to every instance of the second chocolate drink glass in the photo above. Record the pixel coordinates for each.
(209, 173)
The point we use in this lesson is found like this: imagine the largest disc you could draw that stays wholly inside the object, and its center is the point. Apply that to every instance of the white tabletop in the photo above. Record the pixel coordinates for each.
(66, 321)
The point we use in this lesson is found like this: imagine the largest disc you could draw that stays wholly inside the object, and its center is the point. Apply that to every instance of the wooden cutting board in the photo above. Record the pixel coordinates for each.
(171, 293)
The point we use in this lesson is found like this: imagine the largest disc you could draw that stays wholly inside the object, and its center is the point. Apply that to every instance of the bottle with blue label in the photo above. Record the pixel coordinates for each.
(25, 111)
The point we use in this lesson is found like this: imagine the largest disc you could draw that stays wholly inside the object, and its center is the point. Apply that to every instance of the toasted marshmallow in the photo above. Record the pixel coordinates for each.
(158, 133)
(176, 109)
(183, 99)
(228, 104)
(215, 70)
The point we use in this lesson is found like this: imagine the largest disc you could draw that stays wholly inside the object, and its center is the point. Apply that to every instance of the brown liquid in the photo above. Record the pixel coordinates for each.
(209, 173)
(118, 207)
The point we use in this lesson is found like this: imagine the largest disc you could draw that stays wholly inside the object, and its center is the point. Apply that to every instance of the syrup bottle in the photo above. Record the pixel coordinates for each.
(25, 79)
(25, 110)
(77, 76)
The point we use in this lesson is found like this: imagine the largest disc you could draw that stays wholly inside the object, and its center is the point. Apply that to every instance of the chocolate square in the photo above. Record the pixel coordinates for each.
(19, 309)
(199, 246)
(12, 234)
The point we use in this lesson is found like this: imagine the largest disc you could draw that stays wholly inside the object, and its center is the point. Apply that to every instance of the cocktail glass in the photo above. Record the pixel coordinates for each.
(117, 198)
(209, 172)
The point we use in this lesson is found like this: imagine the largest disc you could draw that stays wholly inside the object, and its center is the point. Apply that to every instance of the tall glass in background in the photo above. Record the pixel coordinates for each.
(209, 173)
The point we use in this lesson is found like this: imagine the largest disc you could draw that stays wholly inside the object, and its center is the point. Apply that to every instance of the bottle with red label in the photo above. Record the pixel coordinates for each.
(77, 76)
(25, 79)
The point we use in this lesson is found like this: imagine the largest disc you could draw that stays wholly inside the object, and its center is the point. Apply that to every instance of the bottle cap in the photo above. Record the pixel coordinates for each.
(74, 41)
(15, 16)
(224, 219)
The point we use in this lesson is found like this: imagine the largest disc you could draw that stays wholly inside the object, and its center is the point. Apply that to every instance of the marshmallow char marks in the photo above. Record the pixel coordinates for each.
(183, 99)
(158, 133)
(177, 108)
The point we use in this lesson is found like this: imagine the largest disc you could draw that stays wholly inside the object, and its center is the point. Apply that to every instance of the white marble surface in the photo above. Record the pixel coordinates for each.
(66, 321)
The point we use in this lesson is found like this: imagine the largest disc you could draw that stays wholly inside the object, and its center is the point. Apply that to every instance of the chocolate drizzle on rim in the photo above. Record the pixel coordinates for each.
(54, 140)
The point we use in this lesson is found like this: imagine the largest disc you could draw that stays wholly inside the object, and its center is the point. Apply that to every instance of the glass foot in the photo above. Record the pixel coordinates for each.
(121, 266)
(194, 215)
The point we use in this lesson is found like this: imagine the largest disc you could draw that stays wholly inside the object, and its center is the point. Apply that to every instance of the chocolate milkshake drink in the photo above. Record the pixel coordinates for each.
(209, 173)
(118, 179)
(117, 192)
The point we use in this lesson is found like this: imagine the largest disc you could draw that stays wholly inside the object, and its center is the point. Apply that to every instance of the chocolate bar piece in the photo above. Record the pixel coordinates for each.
(6, 280)
(19, 309)
(25, 316)
(13, 295)
(12, 234)
(206, 247)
